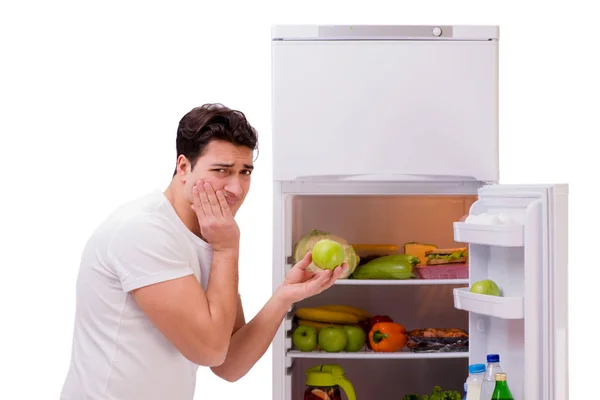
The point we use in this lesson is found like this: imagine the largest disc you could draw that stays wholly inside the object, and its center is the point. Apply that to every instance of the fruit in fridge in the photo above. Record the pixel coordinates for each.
(305, 338)
(360, 313)
(356, 338)
(396, 266)
(318, 325)
(323, 393)
(321, 315)
(308, 241)
(332, 340)
(327, 254)
(486, 286)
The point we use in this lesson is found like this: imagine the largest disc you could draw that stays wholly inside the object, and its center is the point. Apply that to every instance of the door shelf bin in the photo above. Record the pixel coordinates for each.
(494, 235)
(495, 306)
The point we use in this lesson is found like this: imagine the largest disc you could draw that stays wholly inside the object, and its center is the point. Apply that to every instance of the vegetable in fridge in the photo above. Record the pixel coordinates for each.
(387, 337)
(395, 266)
(307, 242)
(436, 394)
(379, 318)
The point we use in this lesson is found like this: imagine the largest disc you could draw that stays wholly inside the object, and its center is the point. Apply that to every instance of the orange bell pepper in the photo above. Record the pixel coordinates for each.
(387, 337)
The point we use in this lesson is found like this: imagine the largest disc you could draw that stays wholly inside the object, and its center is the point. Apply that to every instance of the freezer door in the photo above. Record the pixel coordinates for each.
(385, 101)
(521, 245)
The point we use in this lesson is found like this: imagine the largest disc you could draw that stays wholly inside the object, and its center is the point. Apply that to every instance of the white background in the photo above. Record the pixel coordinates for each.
(90, 99)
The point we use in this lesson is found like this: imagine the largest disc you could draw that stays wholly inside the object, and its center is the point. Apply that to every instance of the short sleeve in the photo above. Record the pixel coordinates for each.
(148, 250)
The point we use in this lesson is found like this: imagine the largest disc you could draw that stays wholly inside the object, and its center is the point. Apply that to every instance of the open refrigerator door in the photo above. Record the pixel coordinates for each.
(517, 241)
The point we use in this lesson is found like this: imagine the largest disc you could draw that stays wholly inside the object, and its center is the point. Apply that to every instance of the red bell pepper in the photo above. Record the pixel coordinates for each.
(378, 318)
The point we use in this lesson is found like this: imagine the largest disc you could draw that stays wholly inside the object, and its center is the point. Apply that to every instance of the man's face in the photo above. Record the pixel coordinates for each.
(226, 167)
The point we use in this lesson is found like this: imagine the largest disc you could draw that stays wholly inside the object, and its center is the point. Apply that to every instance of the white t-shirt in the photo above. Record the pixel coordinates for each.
(118, 354)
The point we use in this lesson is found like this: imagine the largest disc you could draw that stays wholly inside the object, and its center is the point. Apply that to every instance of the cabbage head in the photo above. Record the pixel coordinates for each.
(306, 243)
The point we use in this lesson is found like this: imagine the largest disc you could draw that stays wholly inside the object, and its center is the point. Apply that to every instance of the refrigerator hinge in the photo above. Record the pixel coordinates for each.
(290, 260)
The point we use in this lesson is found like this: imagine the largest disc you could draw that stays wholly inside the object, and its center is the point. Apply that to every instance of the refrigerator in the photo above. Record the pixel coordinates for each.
(390, 134)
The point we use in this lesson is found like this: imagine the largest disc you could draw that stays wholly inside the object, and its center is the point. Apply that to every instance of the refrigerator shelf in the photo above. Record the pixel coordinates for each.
(402, 282)
(493, 235)
(501, 307)
(367, 354)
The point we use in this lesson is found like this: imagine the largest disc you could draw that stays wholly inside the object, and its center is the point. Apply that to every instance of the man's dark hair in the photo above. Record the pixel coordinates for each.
(210, 122)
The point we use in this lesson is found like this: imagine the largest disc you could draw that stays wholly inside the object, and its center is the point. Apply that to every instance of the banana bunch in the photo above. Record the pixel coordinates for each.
(331, 315)
(318, 325)
(359, 312)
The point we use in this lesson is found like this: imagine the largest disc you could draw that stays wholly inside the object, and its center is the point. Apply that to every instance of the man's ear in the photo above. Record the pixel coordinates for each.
(184, 167)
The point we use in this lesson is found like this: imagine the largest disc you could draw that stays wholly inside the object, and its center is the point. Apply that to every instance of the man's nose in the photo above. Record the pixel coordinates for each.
(234, 187)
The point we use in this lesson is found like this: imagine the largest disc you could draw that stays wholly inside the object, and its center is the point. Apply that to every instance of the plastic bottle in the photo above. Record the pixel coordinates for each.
(489, 379)
(501, 391)
(474, 381)
(465, 396)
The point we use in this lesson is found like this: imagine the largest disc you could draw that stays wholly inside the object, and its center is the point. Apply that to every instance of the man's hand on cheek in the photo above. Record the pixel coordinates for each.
(217, 224)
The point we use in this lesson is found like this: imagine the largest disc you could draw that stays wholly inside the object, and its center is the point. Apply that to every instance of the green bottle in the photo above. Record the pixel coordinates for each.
(501, 391)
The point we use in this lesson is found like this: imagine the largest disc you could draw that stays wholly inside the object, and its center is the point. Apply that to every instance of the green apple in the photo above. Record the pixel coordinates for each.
(327, 254)
(356, 337)
(486, 286)
(332, 339)
(305, 338)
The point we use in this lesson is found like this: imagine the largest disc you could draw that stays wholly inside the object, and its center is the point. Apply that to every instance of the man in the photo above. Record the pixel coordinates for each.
(157, 291)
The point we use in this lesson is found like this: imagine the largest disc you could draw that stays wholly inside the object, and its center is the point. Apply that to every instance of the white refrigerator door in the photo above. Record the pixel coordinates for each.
(378, 102)
(527, 257)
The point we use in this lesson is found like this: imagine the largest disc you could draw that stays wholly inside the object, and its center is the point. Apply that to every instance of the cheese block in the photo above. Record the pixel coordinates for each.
(369, 252)
(419, 250)
(368, 249)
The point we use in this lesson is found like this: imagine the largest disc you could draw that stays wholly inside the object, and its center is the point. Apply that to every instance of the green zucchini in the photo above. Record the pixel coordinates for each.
(395, 266)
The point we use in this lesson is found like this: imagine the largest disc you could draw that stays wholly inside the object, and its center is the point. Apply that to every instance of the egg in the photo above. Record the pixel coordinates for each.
(506, 220)
(483, 219)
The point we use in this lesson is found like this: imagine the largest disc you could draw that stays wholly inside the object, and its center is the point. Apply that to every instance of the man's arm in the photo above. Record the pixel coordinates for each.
(251, 340)
(194, 321)
(240, 318)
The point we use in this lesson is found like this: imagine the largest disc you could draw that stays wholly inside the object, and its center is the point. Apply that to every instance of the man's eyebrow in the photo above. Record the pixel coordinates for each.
(229, 165)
